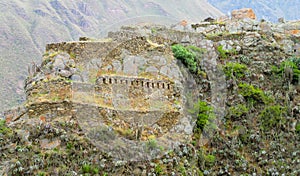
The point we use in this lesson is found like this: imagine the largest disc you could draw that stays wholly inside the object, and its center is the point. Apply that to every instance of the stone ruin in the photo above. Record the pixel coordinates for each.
(127, 91)
(124, 93)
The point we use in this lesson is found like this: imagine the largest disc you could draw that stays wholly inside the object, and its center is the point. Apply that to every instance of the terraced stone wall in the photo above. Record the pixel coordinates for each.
(134, 93)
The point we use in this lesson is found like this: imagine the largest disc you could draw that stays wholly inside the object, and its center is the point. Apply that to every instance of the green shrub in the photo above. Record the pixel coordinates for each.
(293, 64)
(238, 111)
(41, 174)
(70, 145)
(235, 69)
(252, 94)
(187, 56)
(225, 54)
(95, 171)
(86, 168)
(210, 160)
(3, 128)
(272, 117)
(152, 144)
(205, 159)
(205, 117)
(296, 61)
(198, 52)
(158, 170)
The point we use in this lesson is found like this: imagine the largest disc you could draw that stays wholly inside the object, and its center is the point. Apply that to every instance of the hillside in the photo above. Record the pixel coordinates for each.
(269, 10)
(220, 99)
(26, 27)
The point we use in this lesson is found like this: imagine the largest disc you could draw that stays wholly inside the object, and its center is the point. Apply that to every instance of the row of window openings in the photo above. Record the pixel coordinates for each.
(148, 84)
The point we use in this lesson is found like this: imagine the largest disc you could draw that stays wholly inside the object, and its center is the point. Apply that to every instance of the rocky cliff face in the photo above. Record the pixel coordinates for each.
(124, 105)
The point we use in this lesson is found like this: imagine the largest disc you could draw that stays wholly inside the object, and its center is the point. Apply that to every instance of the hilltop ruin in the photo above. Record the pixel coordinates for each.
(129, 98)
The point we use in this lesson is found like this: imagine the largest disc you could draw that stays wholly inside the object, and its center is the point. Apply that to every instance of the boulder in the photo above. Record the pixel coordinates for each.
(293, 32)
(243, 13)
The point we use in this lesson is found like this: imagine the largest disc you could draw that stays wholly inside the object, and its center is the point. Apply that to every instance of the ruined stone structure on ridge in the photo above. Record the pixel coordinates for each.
(134, 93)
(127, 88)
(132, 86)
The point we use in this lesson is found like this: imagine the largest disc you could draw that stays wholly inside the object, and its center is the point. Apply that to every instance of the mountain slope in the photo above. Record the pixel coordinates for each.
(26, 26)
(265, 9)
(119, 114)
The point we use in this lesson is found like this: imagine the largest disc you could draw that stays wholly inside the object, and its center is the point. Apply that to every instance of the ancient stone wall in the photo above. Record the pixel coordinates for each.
(83, 51)
(48, 90)
(135, 93)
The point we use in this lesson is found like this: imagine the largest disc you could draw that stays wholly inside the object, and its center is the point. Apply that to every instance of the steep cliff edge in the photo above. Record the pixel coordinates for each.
(221, 98)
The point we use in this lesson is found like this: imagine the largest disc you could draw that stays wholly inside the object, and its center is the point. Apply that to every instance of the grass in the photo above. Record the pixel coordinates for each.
(3, 128)
(273, 117)
(225, 54)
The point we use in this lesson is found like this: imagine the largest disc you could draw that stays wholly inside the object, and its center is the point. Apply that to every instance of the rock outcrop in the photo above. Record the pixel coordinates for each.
(243, 13)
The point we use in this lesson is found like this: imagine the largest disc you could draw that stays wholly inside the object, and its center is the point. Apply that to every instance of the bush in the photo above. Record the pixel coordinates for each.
(298, 128)
(210, 160)
(3, 128)
(225, 54)
(86, 168)
(205, 117)
(272, 117)
(198, 52)
(158, 170)
(238, 111)
(187, 55)
(296, 61)
(205, 160)
(252, 94)
(291, 65)
(235, 69)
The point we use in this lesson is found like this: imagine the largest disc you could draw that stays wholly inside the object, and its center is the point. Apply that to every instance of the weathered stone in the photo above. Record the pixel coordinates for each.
(185, 39)
(223, 19)
(227, 45)
(61, 60)
(70, 63)
(76, 78)
(243, 13)
(172, 72)
(58, 64)
(251, 39)
(73, 70)
(265, 27)
(117, 66)
(281, 20)
(287, 45)
(64, 73)
(133, 64)
(47, 144)
(293, 32)
(152, 69)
